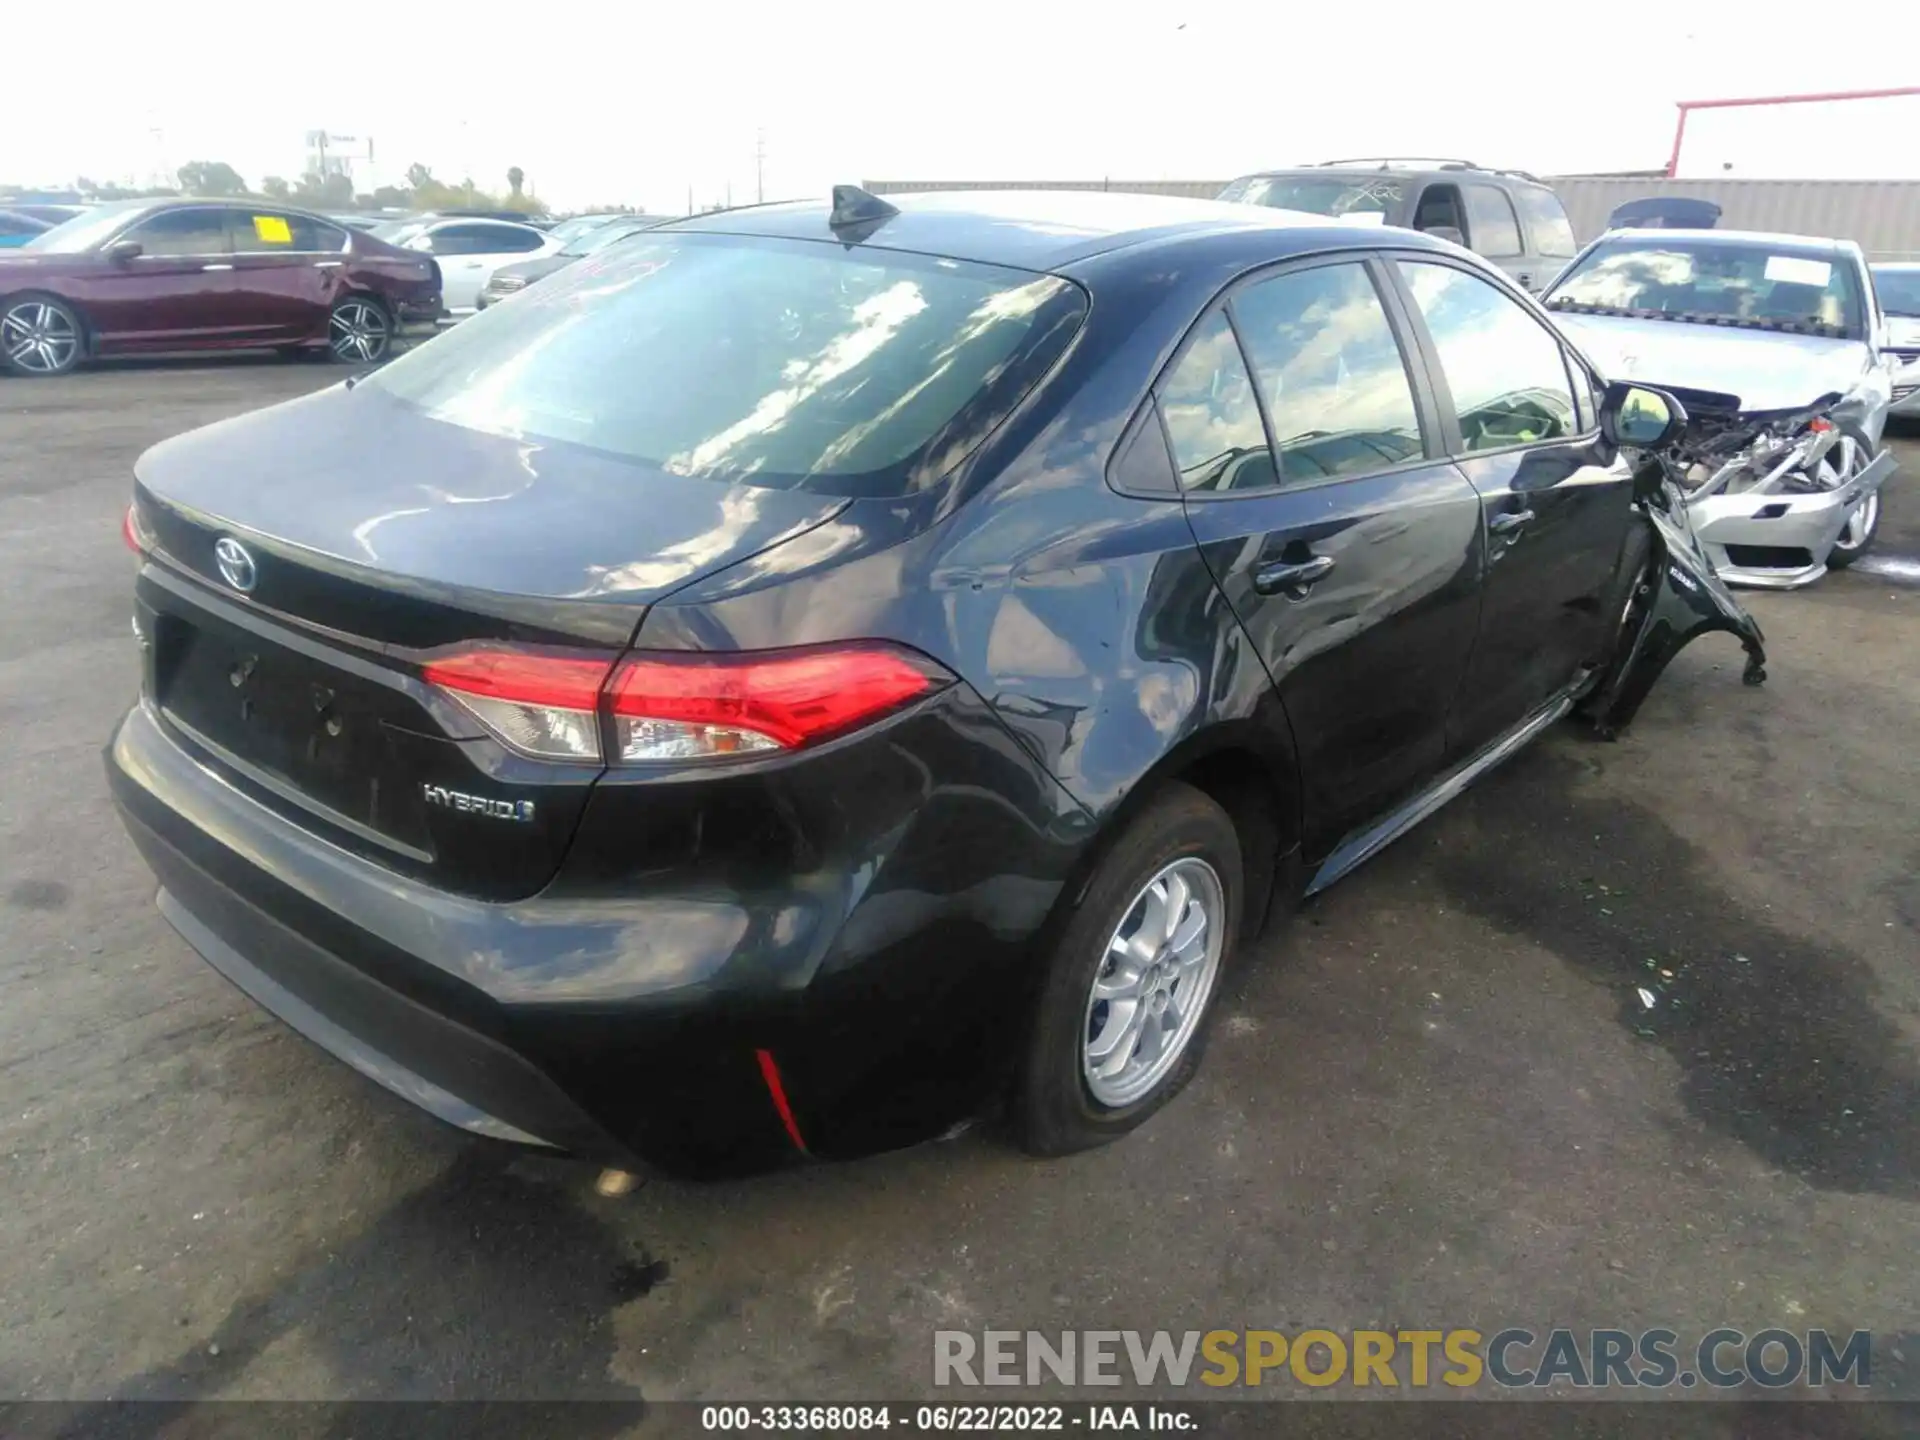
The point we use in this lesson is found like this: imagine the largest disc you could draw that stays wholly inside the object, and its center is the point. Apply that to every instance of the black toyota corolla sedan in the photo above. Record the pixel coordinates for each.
(811, 674)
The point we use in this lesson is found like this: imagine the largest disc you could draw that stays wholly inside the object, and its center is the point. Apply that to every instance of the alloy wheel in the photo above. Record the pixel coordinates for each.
(1152, 987)
(1860, 523)
(357, 332)
(39, 337)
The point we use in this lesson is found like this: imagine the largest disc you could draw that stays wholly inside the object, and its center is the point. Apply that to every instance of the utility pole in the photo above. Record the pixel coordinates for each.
(760, 166)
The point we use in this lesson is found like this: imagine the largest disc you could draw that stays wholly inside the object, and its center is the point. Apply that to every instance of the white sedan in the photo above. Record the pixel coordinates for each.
(468, 251)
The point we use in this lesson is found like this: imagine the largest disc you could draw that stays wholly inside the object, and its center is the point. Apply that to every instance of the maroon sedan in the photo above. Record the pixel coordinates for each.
(146, 275)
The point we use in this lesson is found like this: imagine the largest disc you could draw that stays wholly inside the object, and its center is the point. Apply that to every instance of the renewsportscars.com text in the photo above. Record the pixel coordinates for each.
(1414, 1359)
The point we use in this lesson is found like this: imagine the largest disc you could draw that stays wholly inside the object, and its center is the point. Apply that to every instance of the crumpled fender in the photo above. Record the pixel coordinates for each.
(1687, 600)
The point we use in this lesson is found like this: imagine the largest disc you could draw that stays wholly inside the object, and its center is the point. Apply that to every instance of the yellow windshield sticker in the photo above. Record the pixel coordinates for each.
(272, 229)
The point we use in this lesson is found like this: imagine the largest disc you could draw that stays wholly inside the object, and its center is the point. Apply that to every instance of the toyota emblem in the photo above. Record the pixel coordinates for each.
(236, 565)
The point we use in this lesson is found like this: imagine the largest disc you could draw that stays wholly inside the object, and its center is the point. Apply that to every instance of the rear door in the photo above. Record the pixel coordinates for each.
(1518, 414)
(1309, 466)
(288, 269)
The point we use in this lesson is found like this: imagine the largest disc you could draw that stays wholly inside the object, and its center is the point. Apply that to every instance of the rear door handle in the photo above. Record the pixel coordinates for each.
(1508, 523)
(216, 267)
(1295, 580)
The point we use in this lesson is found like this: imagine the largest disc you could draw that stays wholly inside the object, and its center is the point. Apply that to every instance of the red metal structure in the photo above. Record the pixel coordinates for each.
(1686, 106)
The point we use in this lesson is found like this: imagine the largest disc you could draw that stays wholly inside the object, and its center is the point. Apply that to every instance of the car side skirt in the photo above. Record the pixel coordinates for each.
(1363, 844)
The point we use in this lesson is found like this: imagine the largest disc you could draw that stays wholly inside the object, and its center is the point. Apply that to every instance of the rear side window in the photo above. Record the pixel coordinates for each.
(774, 362)
(1491, 225)
(268, 231)
(1508, 375)
(1547, 221)
(1330, 371)
(1213, 420)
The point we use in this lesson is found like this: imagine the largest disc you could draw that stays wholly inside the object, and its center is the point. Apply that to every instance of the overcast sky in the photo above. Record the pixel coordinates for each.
(640, 103)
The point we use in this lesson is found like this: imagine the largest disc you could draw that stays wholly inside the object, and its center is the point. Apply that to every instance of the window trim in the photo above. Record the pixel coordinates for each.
(1454, 441)
(1426, 409)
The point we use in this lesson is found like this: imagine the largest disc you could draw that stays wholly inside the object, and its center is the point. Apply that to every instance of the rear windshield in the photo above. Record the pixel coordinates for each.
(779, 362)
(1364, 201)
(1779, 285)
(1899, 292)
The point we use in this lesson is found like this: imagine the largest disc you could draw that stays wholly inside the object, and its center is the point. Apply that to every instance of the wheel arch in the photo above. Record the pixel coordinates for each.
(1241, 768)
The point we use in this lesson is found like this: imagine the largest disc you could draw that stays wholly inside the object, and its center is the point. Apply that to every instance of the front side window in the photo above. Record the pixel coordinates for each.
(182, 233)
(785, 363)
(1330, 371)
(1508, 375)
(1547, 219)
(461, 240)
(1213, 419)
(1899, 292)
(506, 240)
(1490, 222)
(1761, 285)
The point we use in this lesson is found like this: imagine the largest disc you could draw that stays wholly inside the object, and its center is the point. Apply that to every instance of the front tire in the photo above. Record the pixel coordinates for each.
(40, 336)
(359, 331)
(1131, 982)
(1858, 535)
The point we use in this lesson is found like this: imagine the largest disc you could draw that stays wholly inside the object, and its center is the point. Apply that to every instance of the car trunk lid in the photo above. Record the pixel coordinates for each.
(362, 539)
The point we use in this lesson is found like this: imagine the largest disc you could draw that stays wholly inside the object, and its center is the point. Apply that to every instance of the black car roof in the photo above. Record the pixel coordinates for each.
(1032, 229)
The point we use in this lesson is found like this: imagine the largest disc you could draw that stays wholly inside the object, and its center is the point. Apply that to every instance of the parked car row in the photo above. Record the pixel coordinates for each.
(180, 274)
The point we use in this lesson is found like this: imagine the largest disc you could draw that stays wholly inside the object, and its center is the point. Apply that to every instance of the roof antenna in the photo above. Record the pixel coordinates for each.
(857, 209)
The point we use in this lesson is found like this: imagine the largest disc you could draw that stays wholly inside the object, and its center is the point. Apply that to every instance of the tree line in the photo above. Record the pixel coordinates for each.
(215, 179)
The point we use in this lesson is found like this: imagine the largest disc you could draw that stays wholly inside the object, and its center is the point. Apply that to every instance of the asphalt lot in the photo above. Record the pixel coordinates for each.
(1436, 1101)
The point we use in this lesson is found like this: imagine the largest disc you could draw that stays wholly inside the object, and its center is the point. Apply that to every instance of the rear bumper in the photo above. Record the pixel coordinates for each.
(608, 1025)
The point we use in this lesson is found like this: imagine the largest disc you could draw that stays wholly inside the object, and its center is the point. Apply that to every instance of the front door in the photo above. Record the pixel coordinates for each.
(1347, 549)
(1557, 507)
(179, 290)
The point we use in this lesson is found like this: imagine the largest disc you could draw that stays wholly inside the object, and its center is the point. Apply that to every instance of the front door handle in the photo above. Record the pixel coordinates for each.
(1294, 580)
(216, 267)
(1510, 522)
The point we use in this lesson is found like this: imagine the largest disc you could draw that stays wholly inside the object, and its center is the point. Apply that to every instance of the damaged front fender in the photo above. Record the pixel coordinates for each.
(1679, 597)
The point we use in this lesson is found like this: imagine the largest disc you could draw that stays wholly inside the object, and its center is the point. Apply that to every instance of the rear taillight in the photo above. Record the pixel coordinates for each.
(134, 533)
(677, 707)
(541, 705)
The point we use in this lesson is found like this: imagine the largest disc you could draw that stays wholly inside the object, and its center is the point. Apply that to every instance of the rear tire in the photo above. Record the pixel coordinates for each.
(359, 331)
(1156, 929)
(40, 336)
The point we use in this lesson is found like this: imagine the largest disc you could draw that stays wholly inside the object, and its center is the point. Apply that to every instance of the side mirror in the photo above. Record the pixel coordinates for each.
(121, 251)
(1640, 416)
(1447, 232)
